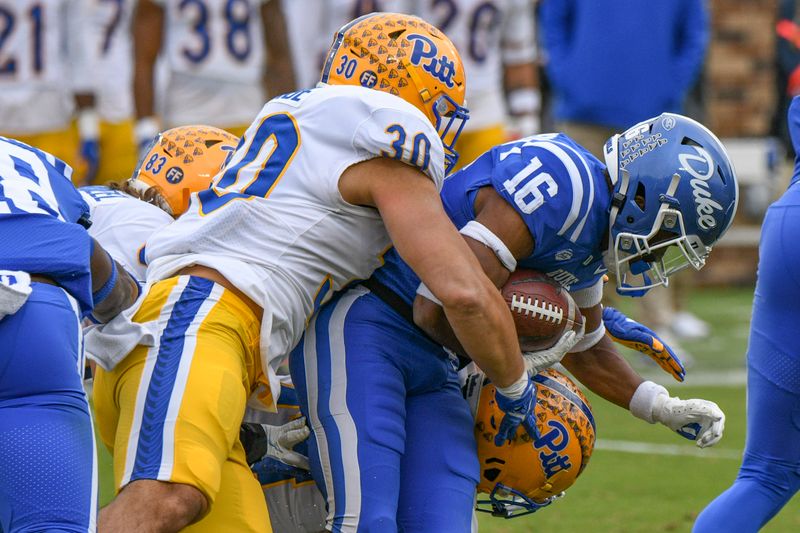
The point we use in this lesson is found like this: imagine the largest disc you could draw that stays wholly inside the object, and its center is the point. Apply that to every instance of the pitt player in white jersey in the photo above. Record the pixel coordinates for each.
(322, 182)
(110, 46)
(496, 41)
(43, 66)
(215, 56)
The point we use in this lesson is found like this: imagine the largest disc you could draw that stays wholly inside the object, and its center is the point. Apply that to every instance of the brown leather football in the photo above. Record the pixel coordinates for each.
(543, 310)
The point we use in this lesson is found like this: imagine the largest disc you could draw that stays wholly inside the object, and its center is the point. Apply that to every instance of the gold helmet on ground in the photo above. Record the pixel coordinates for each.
(524, 474)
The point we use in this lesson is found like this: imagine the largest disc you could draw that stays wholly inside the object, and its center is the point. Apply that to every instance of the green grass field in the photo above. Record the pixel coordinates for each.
(666, 480)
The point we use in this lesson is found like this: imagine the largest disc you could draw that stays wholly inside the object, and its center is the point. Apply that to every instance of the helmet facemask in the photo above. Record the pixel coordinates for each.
(506, 502)
(450, 121)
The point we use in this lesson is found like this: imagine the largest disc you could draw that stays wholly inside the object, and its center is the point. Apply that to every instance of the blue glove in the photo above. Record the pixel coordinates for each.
(519, 411)
(630, 333)
(90, 157)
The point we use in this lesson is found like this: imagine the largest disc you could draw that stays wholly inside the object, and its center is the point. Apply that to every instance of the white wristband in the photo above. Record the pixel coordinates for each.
(515, 390)
(88, 124)
(590, 339)
(644, 399)
(482, 234)
(523, 101)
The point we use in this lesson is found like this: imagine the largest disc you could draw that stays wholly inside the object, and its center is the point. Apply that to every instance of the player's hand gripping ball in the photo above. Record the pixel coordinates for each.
(542, 309)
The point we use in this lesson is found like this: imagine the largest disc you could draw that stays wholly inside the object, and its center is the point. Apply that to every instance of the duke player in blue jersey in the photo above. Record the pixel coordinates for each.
(52, 274)
(392, 444)
(770, 471)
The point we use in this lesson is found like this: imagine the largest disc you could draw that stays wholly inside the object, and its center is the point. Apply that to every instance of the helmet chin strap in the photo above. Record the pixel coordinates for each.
(617, 201)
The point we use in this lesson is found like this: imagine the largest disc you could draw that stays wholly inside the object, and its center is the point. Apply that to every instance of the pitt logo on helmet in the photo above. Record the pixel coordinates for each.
(426, 54)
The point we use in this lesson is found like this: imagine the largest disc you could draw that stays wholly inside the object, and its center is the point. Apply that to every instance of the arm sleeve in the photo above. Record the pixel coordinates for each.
(404, 136)
(45, 245)
(691, 43)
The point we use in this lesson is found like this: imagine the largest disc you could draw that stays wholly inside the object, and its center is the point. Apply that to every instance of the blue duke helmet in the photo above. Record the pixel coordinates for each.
(675, 194)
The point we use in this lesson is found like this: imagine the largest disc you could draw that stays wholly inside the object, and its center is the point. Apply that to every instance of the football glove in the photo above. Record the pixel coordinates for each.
(699, 420)
(636, 336)
(537, 361)
(89, 151)
(275, 442)
(517, 411)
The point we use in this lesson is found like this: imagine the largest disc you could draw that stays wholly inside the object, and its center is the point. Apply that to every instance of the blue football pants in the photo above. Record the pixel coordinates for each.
(392, 445)
(770, 471)
(48, 469)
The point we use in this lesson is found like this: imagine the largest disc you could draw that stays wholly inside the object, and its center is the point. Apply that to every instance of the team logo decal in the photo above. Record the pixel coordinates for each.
(564, 255)
(668, 123)
(553, 441)
(174, 175)
(701, 167)
(368, 79)
(426, 54)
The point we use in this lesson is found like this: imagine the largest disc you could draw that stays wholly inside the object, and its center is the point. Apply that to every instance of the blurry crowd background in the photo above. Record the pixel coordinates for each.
(92, 81)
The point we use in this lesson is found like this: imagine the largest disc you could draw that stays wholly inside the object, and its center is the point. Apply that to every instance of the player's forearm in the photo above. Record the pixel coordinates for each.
(486, 331)
(521, 76)
(430, 318)
(605, 372)
(147, 28)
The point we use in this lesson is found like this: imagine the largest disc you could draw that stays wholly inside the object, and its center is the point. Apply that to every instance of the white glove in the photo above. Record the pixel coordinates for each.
(699, 420)
(535, 362)
(281, 440)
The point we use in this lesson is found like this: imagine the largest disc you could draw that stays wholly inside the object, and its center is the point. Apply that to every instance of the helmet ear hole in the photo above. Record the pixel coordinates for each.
(721, 175)
(491, 473)
(639, 197)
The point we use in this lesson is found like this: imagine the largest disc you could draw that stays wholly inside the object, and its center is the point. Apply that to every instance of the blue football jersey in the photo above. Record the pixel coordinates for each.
(557, 187)
(42, 219)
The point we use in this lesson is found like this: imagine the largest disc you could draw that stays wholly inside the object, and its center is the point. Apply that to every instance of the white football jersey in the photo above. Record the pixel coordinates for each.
(215, 54)
(110, 47)
(488, 34)
(43, 59)
(274, 223)
(122, 224)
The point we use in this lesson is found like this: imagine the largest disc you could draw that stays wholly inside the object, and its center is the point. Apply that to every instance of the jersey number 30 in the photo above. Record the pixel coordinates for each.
(257, 166)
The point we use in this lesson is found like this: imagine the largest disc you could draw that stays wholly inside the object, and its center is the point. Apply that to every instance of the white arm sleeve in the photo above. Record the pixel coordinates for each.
(590, 339)
(475, 230)
(590, 296)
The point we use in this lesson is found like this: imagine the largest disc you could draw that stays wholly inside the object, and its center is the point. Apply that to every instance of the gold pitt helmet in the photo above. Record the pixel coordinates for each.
(405, 56)
(525, 475)
(181, 161)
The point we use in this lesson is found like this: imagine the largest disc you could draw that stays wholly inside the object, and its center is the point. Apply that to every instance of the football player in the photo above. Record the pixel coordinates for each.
(52, 273)
(770, 473)
(322, 183)
(393, 445)
(44, 76)
(110, 47)
(215, 61)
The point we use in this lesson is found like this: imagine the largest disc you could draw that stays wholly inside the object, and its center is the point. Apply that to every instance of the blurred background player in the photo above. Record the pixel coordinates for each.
(498, 49)
(223, 59)
(45, 77)
(52, 274)
(770, 473)
(110, 46)
(497, 45)
(592, 99)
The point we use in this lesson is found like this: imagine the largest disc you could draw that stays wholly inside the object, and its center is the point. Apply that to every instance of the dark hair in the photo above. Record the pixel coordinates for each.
(151, 195)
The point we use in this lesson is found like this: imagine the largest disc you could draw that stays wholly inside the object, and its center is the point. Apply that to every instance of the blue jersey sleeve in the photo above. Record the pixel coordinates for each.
(547, 179)
(43, 220)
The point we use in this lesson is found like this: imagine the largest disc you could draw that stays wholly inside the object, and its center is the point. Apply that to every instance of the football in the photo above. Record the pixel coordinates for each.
(543, 310)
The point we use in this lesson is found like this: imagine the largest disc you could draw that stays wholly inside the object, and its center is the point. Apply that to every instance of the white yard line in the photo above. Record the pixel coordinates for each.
(688, 449)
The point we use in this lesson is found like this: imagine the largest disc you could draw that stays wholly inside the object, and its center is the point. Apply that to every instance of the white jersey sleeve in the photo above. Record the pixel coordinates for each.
(122, 224)
(519, 35)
